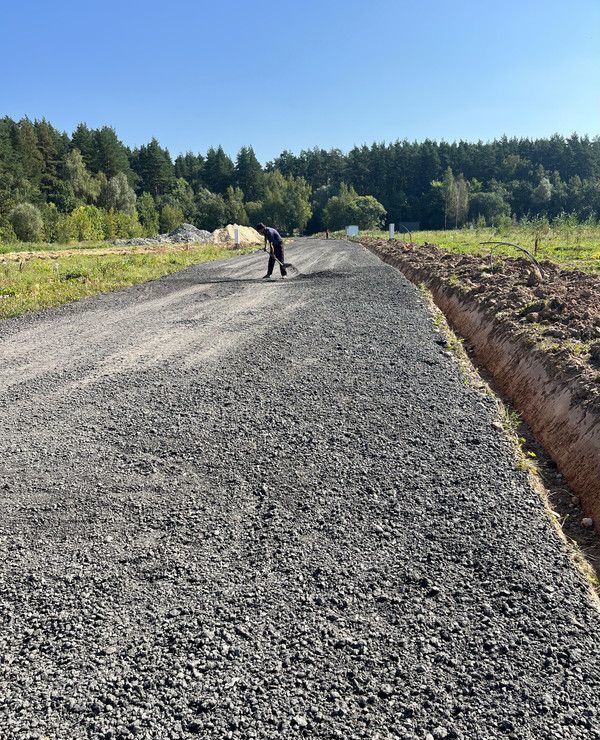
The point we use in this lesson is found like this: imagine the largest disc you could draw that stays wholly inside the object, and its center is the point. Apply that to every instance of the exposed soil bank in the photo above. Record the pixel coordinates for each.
(546, 366)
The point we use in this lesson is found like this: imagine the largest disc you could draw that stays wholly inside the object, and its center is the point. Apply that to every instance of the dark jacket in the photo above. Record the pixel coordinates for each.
(273, 237)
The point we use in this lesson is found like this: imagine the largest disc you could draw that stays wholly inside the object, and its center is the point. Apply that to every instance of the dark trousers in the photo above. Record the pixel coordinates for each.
(279, 254)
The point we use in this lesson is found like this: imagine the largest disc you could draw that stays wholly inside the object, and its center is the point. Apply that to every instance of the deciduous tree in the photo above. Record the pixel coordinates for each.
(118, 194)
(211, 210)
(170, 218)
(27, 222)
(148, 214)
(85, 187)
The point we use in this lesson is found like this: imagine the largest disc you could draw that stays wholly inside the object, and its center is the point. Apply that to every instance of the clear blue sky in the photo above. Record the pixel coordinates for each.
(292, 74)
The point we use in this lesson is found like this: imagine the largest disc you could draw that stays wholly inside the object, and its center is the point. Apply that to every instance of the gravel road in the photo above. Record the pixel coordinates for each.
(233, 508)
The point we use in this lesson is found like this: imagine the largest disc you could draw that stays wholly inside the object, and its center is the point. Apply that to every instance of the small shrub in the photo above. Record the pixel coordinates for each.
(65, 229)
(27, 222)
(503, 224)
(170, 218)
(86, 223)
(121, 225)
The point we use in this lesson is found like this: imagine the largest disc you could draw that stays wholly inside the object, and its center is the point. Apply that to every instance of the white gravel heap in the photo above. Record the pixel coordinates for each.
(184, 234)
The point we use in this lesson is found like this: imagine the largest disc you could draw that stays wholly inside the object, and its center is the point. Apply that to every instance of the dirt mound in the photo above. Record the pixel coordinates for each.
(184, 234)
(248, 235)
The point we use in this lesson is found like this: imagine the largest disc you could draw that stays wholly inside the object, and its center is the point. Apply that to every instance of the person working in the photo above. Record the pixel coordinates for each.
(273, 238)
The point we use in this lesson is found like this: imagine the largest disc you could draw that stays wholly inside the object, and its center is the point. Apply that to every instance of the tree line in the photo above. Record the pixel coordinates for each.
(89, 185)
(443, 185)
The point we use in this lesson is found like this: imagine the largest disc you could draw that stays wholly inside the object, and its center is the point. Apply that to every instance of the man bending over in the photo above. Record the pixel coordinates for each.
(273, 238)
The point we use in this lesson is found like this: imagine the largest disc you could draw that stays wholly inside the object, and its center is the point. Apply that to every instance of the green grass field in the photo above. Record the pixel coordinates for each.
(574, 247)
(34, 283)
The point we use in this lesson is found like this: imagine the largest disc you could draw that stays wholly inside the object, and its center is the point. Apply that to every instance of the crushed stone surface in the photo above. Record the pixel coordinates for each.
(235, 508)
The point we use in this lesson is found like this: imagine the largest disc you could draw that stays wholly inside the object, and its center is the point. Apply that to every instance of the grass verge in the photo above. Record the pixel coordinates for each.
(42, 283)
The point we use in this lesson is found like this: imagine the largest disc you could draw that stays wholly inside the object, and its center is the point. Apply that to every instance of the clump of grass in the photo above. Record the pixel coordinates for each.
(42, 283)
(74, 275)
(455, 280)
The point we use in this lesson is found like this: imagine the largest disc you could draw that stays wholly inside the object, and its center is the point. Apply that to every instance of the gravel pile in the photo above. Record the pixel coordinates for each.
(234, 508)
(184, 234)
